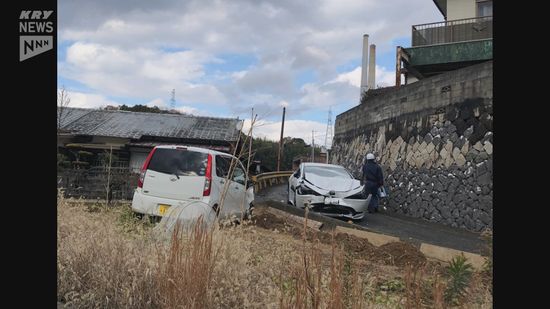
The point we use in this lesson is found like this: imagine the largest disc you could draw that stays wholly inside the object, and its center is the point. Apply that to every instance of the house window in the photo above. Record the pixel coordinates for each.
(484, 8)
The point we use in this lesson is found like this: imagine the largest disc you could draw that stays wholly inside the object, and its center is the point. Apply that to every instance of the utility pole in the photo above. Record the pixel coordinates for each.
(250, 141)
(312, 146)
(281, 142)
(328, 135)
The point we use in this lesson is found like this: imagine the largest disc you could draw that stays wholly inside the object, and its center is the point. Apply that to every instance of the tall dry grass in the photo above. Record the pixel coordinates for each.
(100, 267)
(184, 273)
(97, 267)
(318, 285)
(107, 259)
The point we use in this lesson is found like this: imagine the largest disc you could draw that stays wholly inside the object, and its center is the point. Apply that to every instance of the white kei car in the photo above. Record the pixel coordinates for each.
(181, 175)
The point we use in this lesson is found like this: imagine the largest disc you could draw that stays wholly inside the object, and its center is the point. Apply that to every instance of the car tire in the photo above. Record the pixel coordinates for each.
(216, 209)
(288, 195)
(138, 215)
(249, 212)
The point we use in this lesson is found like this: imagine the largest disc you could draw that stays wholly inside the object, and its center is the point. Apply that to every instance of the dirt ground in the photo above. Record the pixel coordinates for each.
(395, 254)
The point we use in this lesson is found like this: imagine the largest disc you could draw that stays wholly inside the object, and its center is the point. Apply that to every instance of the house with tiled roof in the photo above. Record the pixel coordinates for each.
(131, 135)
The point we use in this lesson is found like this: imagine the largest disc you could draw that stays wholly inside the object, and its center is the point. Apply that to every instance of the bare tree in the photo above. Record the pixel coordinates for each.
(63, 101)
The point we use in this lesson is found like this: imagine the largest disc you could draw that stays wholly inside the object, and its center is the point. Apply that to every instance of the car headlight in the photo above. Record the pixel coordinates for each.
(306, 191)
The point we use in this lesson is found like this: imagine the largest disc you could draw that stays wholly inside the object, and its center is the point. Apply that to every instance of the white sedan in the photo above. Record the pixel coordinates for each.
(328, 189)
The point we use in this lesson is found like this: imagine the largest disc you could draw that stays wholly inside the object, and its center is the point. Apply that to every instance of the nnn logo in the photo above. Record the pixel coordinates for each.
(33, 25)
(32, 45)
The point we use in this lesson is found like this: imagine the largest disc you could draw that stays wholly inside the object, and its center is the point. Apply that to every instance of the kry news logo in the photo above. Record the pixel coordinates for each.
(34, 22)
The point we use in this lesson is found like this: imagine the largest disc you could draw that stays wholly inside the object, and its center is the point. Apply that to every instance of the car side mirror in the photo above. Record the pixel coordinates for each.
(249, 183)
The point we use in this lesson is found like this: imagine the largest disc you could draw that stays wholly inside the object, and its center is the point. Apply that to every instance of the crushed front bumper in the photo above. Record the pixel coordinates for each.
(334, 206)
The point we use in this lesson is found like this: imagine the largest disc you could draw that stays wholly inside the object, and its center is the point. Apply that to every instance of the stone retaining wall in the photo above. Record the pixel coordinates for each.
(437, 161)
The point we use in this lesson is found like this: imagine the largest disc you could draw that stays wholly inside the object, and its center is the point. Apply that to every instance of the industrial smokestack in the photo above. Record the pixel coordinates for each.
(364, 67)
(372, 67)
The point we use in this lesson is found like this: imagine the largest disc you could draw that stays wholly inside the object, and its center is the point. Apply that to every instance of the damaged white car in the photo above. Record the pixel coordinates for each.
(328, 189)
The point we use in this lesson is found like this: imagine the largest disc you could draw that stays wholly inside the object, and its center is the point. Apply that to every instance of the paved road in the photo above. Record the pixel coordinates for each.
(407, 228)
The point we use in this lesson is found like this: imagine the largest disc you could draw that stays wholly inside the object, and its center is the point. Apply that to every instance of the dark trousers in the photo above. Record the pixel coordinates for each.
(372, 189)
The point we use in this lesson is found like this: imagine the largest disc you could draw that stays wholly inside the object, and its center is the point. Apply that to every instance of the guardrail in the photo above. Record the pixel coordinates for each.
(264, 180)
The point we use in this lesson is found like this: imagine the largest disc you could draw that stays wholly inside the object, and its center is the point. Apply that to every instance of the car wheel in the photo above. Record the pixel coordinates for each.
(138, 215)
(288, 195)
(248, 213)
(216, 209)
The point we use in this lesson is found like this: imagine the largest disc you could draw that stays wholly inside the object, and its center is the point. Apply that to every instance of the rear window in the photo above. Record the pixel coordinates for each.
(179, 162)
(327, 171)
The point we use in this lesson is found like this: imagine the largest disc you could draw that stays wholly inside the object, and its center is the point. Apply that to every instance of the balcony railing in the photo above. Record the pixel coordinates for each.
(459, 30)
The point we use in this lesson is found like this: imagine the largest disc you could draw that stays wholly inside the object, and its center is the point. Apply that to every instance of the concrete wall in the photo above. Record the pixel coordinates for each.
(434, 140)
(459, 9)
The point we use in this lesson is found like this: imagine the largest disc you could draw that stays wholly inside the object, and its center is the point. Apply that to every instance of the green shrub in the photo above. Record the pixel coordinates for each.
(460, 273)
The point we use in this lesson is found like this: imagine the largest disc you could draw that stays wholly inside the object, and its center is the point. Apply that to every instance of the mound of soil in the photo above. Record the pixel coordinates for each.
(360, 246)
(399, 254)
(269, 221)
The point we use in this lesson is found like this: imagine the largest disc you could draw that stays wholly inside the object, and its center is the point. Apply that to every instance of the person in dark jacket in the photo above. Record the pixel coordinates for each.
(373, 179)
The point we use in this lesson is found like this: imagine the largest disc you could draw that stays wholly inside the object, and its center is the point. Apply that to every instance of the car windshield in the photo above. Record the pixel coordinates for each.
(179, 162)
(327, 171)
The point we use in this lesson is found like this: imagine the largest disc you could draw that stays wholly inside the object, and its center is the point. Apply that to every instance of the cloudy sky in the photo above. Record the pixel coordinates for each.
(224, 58)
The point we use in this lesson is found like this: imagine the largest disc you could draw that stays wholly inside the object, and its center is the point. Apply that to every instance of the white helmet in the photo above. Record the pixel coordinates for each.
(370, 156)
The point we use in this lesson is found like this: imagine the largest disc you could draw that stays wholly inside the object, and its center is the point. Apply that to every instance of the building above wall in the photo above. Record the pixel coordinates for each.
(465, 38)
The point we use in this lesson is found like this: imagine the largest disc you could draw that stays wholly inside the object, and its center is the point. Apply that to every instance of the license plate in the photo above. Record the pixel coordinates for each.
(163, 208)
(332, 201)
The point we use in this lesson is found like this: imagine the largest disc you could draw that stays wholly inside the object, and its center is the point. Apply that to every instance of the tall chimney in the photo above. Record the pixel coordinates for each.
(364, 67)
(372, 67)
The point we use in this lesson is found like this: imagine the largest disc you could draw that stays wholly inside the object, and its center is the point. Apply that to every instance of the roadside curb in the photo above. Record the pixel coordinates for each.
(447, 254)
(316, 225)
(374, 238)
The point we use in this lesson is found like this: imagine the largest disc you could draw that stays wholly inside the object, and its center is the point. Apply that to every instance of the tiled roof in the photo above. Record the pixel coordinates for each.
(134, 125)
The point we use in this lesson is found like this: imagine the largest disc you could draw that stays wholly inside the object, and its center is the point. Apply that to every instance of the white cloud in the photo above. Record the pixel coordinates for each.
(269, 80)
(352, 77)
(142, 49)
(163, 104)
(334, 92)
(191, 110)
(384, 77)
(141, 73)
(160, 103)
(320, 33)
(88, 100)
